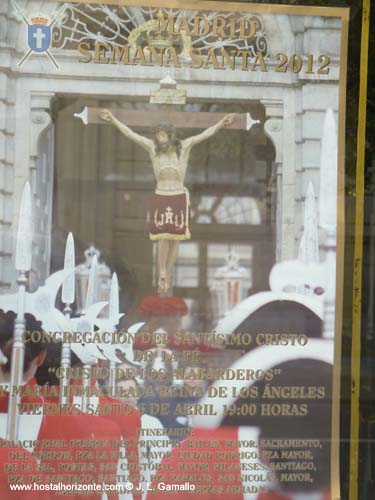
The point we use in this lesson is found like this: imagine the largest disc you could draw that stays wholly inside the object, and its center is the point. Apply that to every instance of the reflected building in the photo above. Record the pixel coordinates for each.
(247, 188)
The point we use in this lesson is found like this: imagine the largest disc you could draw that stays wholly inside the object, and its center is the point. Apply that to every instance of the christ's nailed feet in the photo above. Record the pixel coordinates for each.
(163, 283)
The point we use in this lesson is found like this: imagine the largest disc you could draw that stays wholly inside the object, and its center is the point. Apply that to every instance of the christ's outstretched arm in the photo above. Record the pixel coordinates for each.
(209, 132)
(144, 142)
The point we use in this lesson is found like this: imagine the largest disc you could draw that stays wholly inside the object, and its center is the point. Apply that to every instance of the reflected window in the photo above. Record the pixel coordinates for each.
(187, 270)
(228, 210)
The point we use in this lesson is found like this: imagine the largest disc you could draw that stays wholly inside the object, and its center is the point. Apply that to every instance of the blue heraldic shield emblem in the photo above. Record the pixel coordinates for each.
(39, 37)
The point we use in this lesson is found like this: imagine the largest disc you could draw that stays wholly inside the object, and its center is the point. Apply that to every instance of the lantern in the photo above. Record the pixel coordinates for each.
(231, 284)
(102, 281)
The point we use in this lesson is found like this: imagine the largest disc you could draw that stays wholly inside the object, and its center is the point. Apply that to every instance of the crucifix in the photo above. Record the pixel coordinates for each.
(170, 207)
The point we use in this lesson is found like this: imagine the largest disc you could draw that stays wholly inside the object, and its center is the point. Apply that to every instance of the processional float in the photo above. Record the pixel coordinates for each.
(41, 303)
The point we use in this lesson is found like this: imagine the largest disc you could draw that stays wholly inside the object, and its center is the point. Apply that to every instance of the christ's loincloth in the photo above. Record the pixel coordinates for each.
(170, 216)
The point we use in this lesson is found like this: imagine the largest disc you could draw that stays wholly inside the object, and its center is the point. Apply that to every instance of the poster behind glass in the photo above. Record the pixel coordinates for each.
(172, 324)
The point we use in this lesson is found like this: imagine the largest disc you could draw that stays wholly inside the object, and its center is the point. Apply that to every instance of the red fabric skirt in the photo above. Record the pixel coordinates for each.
(170, 216)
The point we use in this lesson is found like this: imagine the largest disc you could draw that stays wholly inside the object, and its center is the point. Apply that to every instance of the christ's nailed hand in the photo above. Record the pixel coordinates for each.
(229, 119)
(106, 115)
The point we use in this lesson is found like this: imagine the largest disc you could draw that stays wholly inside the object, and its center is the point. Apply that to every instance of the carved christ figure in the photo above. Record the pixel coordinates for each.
(170, 209)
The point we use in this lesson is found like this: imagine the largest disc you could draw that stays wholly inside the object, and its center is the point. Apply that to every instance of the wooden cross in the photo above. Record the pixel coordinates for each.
(180, 119)
(167, 97)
